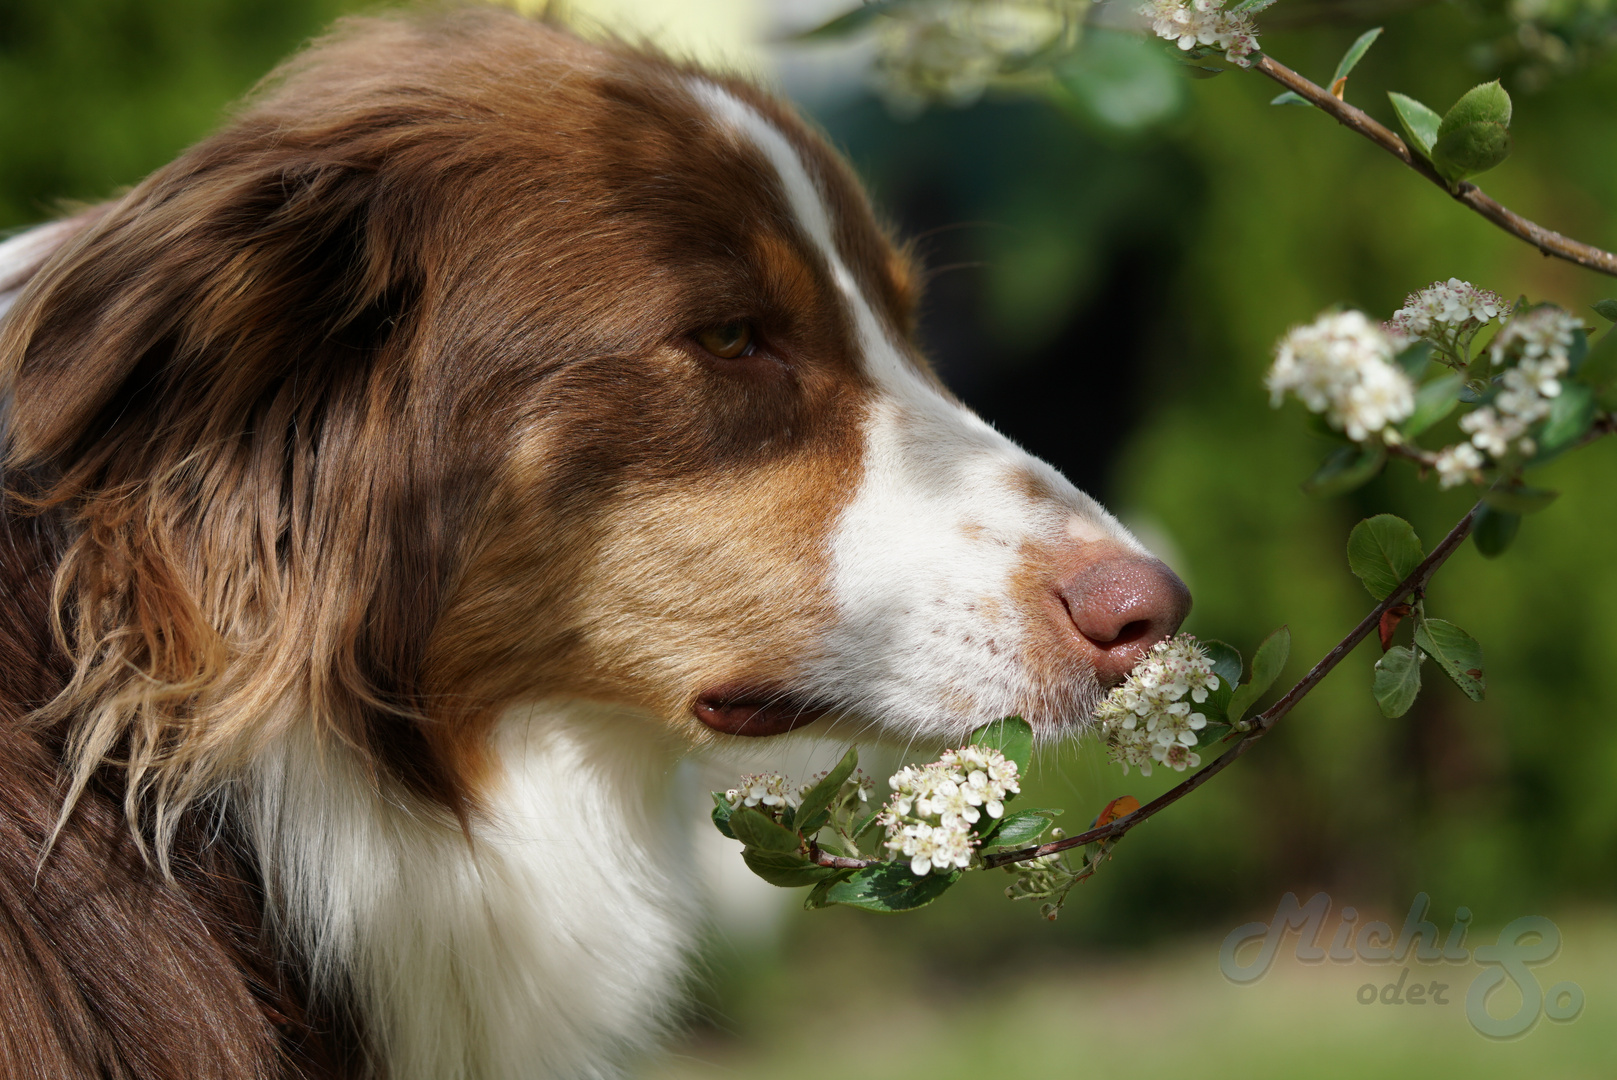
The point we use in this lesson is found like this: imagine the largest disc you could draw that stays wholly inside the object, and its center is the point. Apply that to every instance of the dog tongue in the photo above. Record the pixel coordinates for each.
(760, 716)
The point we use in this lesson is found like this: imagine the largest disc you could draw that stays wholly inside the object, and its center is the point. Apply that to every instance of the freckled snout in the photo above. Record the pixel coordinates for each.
(1120, 606)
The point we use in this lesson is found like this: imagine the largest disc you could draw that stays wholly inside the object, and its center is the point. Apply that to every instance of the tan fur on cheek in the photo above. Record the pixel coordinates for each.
(645, 588)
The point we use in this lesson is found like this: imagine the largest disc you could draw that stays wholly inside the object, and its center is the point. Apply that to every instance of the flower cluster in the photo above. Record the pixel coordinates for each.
(769, 792)
(1452, 305)
(929, 818)
(1458, 464)
(1147, 718)
(1538, 341)
(950, 50)
(1341, 365)
(1204, 23)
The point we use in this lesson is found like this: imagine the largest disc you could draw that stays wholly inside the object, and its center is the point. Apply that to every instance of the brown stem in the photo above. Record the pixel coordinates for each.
(1424, 458)
(838, 862)
(1265, 720)
(1546, 240)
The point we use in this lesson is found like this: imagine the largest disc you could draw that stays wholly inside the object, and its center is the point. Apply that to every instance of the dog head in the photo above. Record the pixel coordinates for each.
(472, 365)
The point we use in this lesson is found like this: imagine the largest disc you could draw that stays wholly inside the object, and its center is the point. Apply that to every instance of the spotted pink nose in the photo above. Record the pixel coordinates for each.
(1121, 605)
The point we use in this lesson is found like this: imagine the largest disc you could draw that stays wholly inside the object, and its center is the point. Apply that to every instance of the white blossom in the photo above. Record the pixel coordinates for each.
(1535, 345)
(929, 817)
(1147, 716)
(765, 789)
(1341, 365)
(950, 50)
(1453, 303)
(932, 847)
(1458, 464)
(1490, 431)
(1192, 23)
(1176, 756)
(1544, 332)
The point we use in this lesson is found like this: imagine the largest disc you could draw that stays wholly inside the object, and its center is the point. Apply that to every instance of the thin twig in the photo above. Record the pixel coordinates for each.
(1546, 240)
(838, 862)
(1413, 584)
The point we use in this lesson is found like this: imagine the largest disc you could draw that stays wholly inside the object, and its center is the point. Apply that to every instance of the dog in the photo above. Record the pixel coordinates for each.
(399, 483)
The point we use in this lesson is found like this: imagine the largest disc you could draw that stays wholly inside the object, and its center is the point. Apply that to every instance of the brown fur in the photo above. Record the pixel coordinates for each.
(337, 318)
(344, 418)
(106, 969)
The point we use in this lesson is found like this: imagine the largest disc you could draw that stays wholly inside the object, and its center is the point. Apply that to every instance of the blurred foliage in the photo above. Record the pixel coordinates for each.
(1123, 285)
(94, 94)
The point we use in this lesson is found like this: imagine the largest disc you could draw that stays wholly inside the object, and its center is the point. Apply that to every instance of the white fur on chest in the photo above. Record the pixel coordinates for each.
(551, 945)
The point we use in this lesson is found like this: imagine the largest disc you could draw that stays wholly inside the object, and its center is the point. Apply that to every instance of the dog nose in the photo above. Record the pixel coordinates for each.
(1121, 606)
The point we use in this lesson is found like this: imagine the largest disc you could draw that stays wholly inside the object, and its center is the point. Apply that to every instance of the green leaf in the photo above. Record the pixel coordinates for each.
(1475, 134)
(1122, 80)
(1470, 150)
(757, 831)
(1354, 54)
(1344, 469)
(820, 795)
(1383, 551)
(818, 897)
(1607, 309)
(1484, 104)
(1599, 369)
(786, 871)
(721, 814)
(890, 887)
(1021, 828)
(851, 22)
(1252, 7)
(1572, 414)
(1267, 664)
(1456, 652)
(1397, 680)
(1433, 402)
(1291, 97)
(1419, 122)
(1578, 350)
(868, 835)
(1226, 661)
(1493, 530)
(1011, 736)
(1519, 499)
(1318, 425)
(1414, 358)
(1211, 734)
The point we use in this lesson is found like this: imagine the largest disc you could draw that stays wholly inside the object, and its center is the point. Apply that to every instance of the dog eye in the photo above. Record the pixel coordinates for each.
(727, 342)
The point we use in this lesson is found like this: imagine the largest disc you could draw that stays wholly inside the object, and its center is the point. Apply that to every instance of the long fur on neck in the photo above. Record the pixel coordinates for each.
(463, 951)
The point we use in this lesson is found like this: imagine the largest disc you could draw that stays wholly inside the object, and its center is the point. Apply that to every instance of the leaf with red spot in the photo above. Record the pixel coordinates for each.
(1456, 651)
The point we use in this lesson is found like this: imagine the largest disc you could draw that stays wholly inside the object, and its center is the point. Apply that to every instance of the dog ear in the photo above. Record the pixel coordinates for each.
(213, 381)
(208, 281)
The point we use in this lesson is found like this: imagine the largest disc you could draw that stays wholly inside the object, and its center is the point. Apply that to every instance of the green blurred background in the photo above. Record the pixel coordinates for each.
(1107, 290)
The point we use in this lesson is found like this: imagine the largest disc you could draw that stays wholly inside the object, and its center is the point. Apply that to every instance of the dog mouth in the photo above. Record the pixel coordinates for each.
(754, 711)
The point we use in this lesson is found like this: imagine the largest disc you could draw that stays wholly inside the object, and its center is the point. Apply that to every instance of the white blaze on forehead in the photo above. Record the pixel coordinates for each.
(929, 636)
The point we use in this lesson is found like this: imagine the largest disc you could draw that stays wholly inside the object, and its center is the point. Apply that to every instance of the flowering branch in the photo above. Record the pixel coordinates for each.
(1411, 586)
(1546, 240)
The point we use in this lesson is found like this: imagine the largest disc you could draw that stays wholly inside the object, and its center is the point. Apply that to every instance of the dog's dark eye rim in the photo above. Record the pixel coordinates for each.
(728, 341)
